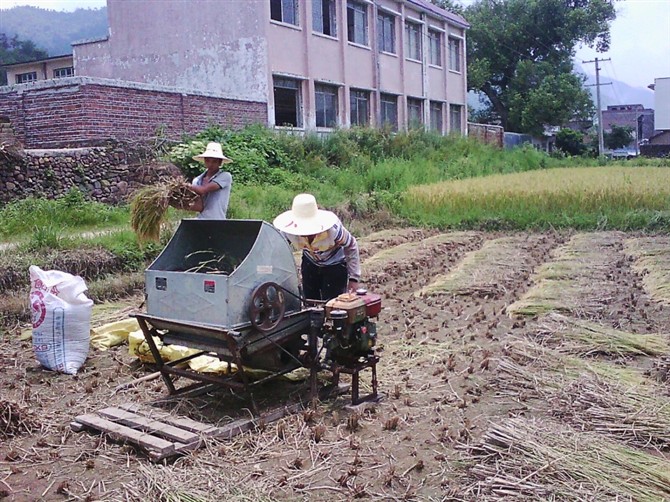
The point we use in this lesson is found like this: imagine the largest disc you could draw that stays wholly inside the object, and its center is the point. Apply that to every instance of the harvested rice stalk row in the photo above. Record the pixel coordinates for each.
(489, 271)
(149, 206)
(577, 280)
(652, 262)
(585, 338)
(533, 460)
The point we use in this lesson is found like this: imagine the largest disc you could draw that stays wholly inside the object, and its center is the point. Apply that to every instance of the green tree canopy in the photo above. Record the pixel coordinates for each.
(520, 56)
(618, 137)
(13, 50)
(570, 142)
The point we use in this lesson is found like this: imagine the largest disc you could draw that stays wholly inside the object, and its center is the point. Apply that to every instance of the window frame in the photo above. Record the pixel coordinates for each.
(381, 39)
(414, 112)
(354, 6)
(417, 53)
(455, 56)
(68, 69)
(434, 47)
(385, 99)
(453, 108)
(356, 96)
(299, 122)
(283, 10)
(332, 17)
(439, 127)
(26, 78)
(321, 90)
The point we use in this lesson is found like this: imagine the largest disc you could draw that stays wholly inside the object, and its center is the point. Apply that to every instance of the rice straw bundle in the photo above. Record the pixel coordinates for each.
(150, 204)
(530, 460)
(585, 338)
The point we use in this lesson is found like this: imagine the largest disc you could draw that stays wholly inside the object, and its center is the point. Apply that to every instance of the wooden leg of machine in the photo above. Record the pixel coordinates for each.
(156, 355)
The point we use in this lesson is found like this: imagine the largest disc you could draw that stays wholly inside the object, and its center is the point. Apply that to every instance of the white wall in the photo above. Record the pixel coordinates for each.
(662, 104)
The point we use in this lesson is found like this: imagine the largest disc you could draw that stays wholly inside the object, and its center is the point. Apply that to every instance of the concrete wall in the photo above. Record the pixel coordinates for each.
(209, 46)
(79, 111)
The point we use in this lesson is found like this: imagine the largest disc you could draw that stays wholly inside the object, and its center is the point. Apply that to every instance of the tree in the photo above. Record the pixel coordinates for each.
(13, 50)
(520, 57)
(619, 137)
(450, 5)
(570, 142)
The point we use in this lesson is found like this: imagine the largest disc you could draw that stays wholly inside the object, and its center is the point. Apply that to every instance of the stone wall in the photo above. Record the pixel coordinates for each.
(81, 111)
(105, 174)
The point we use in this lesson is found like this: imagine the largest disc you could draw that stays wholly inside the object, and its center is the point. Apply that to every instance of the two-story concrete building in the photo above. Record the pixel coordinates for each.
(300, 64)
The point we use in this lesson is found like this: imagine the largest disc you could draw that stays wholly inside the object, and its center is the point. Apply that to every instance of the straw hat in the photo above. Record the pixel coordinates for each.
(213, 151)
(305, 218)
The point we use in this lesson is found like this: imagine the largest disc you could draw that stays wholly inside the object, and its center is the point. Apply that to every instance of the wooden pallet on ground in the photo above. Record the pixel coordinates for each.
(162, 435)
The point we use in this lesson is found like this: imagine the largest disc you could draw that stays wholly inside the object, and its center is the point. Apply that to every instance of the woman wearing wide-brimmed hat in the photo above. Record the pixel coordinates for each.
(330, 259)
(213, 186)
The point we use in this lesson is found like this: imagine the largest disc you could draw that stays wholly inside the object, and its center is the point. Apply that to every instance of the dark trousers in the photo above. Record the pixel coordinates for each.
(323, 283)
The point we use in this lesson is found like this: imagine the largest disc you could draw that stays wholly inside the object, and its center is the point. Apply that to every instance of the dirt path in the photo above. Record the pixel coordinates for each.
(459, 374)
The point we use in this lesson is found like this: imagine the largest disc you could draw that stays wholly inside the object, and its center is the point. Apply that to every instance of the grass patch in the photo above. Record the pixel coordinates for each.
(611, 197)
(50, 219)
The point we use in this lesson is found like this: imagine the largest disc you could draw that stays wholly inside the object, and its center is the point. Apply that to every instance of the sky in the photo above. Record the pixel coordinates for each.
(639, 52)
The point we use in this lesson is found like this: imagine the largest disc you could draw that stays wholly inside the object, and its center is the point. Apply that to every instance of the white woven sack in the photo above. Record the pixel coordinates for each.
(61, 315)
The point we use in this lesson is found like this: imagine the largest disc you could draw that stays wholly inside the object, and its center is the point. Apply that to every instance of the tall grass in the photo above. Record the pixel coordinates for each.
(72, 211)
(612, 197)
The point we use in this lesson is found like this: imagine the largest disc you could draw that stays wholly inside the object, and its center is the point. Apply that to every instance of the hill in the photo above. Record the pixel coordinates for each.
(51, 30)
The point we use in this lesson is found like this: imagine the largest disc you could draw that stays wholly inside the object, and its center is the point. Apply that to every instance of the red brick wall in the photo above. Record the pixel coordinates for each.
(83, 113)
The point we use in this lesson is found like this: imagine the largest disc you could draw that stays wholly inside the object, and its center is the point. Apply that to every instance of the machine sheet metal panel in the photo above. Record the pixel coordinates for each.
(181, 285)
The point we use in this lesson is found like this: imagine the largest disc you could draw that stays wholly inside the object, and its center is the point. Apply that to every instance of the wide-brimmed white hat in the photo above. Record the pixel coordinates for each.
(213, 151)
(305, 218)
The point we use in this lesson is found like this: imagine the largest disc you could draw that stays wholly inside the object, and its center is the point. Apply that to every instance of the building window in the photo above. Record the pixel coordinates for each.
(436, 116)
(386, 32)
(63, 72)
(288, 104)
(454, 54)
(455, 124)
(413, 37)
(323, 17)
(389, 111)
(435, 46)
(326, 105)
(22, 78)
(360, 107)
(357, 22)
(284, 11)
(414, 113)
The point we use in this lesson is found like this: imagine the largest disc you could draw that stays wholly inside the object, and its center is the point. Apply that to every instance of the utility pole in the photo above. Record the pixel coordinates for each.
(601, 143)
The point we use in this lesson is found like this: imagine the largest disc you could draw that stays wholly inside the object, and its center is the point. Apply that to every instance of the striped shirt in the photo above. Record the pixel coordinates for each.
(333, 246)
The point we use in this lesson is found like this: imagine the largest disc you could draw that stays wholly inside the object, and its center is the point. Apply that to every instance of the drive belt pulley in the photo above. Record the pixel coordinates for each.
(267, 308)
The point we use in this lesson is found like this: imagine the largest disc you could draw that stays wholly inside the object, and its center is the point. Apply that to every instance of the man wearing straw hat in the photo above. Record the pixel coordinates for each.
(330, 259)
(213, 186)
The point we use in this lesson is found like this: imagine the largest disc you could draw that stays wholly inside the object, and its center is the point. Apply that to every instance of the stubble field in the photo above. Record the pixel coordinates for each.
(516, 366)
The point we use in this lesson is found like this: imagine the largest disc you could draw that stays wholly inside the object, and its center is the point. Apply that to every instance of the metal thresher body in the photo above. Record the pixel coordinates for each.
(230, 288)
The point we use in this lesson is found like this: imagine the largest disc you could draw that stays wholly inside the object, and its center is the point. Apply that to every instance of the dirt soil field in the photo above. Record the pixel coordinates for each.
(495, 349)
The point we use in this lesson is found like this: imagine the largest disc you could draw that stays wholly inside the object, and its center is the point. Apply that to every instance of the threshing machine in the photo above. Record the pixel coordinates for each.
(230, 288)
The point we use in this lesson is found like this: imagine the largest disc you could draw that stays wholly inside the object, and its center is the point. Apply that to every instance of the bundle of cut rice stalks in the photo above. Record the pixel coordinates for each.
(149, 206)
(587, 338)
(525, 459)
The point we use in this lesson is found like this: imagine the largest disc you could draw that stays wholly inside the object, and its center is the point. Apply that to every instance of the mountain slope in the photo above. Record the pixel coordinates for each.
(51, 30)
